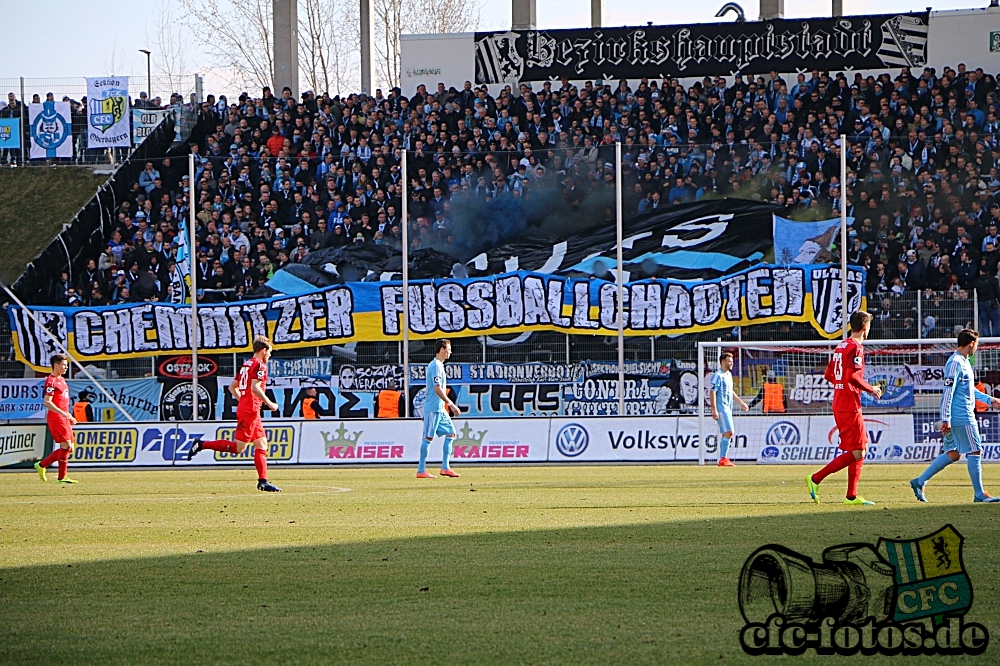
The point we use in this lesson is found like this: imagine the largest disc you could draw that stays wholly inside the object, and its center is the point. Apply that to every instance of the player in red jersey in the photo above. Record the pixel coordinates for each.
(248, 388)
(846, 371)
(59, 419)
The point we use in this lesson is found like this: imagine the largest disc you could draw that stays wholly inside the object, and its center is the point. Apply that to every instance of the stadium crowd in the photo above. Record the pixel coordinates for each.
(278, 177)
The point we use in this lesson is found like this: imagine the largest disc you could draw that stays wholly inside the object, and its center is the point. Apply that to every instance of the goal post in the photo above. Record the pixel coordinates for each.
(791, 421)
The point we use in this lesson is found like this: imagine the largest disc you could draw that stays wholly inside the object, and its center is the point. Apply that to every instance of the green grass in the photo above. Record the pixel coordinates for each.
(540, 565)
(35, 203)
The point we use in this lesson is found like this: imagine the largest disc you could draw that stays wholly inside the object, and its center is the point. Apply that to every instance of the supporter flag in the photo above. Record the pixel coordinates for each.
(36, 337)
(51, 130)
(184, 264)
(144, 121)
(10, 133)
(107, 112)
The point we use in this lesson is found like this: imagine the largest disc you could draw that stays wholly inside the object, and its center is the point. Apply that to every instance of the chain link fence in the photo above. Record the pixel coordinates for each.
(177, 93)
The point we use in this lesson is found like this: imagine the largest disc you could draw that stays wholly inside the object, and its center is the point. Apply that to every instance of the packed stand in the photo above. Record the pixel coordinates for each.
(278, 178)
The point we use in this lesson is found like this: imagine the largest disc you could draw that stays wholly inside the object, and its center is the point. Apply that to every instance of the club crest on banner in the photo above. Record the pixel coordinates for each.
(108, 112)
(50, 130)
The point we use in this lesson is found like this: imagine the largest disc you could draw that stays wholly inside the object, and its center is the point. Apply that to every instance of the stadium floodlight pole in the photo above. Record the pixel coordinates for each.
(844, 301)
(621, 286)
(405, 319)
(193, 270)
(65, 350)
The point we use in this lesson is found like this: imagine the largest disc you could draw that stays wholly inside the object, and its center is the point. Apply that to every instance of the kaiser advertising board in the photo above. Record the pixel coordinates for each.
(398, 441)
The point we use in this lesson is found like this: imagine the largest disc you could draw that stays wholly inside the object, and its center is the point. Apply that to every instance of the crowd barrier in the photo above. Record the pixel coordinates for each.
(894, 438)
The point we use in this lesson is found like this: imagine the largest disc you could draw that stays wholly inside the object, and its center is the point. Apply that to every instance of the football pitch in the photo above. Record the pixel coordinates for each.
(506, 565)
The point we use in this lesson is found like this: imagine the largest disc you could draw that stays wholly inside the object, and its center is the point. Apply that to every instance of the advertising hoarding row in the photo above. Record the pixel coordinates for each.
(778, 439)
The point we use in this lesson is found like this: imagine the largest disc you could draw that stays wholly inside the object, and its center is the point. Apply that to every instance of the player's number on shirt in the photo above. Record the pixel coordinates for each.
(244, 378)
(838, 367)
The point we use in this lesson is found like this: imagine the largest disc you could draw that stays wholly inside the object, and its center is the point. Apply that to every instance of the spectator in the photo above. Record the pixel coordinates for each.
(988, 302)
(921, 166)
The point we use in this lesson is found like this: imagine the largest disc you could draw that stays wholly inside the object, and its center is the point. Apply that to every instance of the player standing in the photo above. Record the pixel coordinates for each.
(59, 420)
(721, 396)
(958, 420)
(846, 371)
(437, 406)
(248, 389)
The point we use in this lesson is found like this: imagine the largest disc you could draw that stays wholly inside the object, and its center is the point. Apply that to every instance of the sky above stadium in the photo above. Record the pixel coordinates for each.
(63, 38)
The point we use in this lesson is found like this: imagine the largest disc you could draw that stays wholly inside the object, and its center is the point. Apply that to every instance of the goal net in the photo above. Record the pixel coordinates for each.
(790, 418)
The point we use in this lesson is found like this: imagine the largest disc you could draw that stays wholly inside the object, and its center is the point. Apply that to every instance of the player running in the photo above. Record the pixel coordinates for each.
(721, 396)
(248, 389)
(59, 420)
(437, 406)
(846, 371)
(958, 420)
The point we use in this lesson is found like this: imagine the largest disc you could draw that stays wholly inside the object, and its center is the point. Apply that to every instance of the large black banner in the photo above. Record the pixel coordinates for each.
(707, 49)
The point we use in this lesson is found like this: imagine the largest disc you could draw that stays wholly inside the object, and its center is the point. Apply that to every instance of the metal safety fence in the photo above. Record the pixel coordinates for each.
(180, 94)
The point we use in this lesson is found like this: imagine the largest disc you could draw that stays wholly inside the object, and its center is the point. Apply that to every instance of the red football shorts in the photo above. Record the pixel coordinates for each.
(851, 425)
(249, 427)
(61, 429)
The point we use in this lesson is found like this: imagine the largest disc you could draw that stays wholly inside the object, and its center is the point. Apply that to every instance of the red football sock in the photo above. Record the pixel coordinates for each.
(835, 465)
(63, 462)
(51, 458)
(853, 475)
(220, 445)
(260, 462)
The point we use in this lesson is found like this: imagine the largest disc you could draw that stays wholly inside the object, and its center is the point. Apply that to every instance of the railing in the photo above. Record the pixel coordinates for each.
(189, 87)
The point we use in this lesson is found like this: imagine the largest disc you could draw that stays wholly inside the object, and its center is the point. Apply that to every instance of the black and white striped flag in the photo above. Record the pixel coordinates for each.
(497, 59)
(37, 342)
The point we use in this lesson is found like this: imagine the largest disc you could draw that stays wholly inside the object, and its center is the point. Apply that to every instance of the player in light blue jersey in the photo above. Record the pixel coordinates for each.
(721, 397)
(437, 409)
(958, 420)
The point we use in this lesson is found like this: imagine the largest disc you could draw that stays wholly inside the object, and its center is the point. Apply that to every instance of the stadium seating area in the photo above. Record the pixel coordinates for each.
(278, 178)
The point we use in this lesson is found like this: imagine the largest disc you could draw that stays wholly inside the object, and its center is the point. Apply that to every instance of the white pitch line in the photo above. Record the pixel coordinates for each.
(330, 490)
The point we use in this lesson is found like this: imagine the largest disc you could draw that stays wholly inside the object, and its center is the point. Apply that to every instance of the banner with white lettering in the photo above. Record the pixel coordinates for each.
(22, 399)
(508, 303)
(144, 121)
(107, 112)
(793, 45)
(808, 388)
